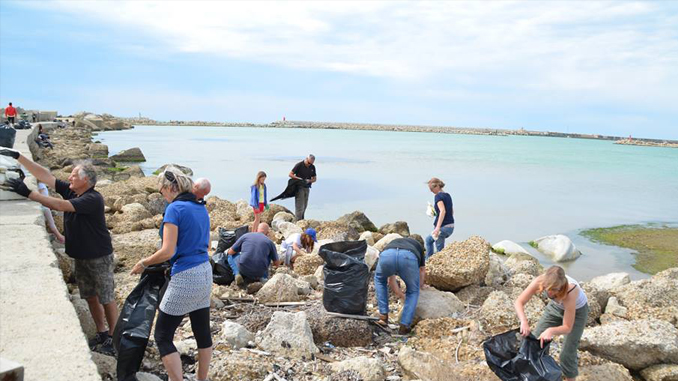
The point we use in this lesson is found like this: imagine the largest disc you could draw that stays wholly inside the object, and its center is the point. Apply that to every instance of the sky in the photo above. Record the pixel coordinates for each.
(590, 67)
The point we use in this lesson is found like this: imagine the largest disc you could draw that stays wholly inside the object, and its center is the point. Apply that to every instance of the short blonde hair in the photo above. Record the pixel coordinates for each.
(176, 180)
(436, 182)
(554, 279)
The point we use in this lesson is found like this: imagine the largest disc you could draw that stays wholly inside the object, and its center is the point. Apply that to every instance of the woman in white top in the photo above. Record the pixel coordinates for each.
(301, 243)
(49, 220)
(566, 314)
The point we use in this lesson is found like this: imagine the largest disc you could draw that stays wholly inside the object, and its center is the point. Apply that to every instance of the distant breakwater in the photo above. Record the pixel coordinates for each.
(402, 128)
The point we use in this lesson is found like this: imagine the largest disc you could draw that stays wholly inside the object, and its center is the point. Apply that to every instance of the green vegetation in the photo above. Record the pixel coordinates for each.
(499, 250)
(533, 244)
(656, 246)
(115, 169)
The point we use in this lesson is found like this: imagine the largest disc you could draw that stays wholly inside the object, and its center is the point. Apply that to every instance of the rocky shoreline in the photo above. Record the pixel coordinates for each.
(406, 128)
(632, 332)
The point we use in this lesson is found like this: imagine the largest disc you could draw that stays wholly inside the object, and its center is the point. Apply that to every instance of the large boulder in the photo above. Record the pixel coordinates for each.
(222, 213)
(156, 203)
(459, 264)
(307, 264)
(604, 372)
(85, 317)
(663, 372)
(367, 237)
(358, 220)
(280, 288)
(288, 334)
(498, 273)
(129, 248)
(433, 304)
(337, 231)
(381, 244)
(369, 369)
(235, 334)
(498, 314)
(635, 344)
(559, 247)
(140, 198)
(371, 257)
(129, 155)
(651, 298)
(244, 211)
(474, 295)
(398, 227)
(97, 150)
(507, 247)
(524, 264)
(126, 220)
(338, 331)
(614, 308)
(610, 281)
(288, 228)
(187, 171)
(423, 366)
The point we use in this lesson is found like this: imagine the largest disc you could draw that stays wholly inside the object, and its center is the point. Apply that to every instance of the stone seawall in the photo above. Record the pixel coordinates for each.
(39, 328)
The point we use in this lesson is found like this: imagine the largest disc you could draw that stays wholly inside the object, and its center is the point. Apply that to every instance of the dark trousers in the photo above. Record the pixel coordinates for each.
(167, 325)
(301, 202)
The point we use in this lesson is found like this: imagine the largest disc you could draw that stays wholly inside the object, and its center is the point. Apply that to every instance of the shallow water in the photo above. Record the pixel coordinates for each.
(504, 187)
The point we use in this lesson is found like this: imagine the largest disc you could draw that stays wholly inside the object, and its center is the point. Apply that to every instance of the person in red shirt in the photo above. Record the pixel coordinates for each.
(10, 113)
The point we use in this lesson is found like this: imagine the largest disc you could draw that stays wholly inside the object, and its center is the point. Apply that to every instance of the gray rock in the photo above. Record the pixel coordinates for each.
(498, 273)
(423, 366)
(340, 332)
(663, 372)
(187, 171)
(635, 344)
(433, 304)
(288, 228)
(367, 237)
(371, 257)
(398, 227)
(614, 308)
(128, 155)
(280, 288)
(235, 334)
(525, 264)
(359, 220)
(156, 203)
(97, 150)
(369, 369)
(381, 244)
(143, 376)
(106, 365)
(507, 247)
(85, 317)
(611, 281)
(604, 372)
(287, 334)
(558, 247)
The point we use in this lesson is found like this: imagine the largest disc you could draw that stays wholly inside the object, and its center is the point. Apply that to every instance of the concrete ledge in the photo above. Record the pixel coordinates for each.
(39, 328)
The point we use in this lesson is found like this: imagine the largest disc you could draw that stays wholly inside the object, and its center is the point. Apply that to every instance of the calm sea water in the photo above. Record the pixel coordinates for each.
(503, 187)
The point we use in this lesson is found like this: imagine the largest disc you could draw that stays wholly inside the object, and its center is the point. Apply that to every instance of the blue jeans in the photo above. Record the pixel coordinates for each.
(440, 242)
(405, 264)
(233, 262)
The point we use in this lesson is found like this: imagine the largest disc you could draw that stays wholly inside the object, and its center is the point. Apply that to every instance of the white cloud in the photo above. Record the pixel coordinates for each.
(621, 50)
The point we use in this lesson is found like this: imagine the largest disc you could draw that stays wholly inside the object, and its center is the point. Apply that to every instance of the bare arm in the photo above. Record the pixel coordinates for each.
(422, 277)
(570, 304)
(520, 303)
(294, 176)
(298, 249)
(41, 173)
(230, 251)
(52, 202)
(313, 179)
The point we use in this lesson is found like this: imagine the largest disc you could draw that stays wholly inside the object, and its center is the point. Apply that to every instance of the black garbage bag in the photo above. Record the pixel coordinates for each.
(347, 277)
(7, 135)
(514, 358)
(228, 237)
(222, 273)
(135, 322)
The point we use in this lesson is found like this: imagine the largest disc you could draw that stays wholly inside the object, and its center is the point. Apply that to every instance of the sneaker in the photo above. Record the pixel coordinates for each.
(239, 280)
(99, 338)
(107, 347)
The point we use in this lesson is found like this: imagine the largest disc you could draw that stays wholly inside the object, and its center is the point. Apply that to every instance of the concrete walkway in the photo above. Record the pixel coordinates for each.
(39, 328)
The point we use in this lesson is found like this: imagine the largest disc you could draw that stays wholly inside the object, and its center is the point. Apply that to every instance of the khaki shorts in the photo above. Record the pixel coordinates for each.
(95, 278)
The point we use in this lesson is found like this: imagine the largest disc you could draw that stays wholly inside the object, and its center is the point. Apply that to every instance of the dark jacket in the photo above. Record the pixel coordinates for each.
(293, 186)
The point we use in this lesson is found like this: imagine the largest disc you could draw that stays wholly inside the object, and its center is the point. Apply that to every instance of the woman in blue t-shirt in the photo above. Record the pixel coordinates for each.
(185, 239)
(444, 220)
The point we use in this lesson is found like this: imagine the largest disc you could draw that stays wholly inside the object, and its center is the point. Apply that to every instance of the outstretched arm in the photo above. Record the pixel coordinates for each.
(41, 173)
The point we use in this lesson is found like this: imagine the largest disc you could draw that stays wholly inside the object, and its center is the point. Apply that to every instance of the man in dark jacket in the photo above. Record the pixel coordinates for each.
(305, 171)
(87, 238)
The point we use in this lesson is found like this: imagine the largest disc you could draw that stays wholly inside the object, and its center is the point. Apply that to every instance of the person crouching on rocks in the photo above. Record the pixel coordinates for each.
(403, 257)
(565, 314)
(87, 239)
(258, 198)
(250, 256)
(299, 243)
(185, 235)
(444, 220)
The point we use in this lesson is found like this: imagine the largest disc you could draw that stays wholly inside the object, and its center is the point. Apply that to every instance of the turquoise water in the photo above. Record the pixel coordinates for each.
(504, 187)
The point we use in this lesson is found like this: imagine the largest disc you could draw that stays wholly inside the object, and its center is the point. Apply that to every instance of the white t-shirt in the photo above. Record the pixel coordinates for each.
(291, 240)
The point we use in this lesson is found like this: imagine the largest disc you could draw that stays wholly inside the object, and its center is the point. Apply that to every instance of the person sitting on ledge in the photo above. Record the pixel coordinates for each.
(87, 238)
(251, 255)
